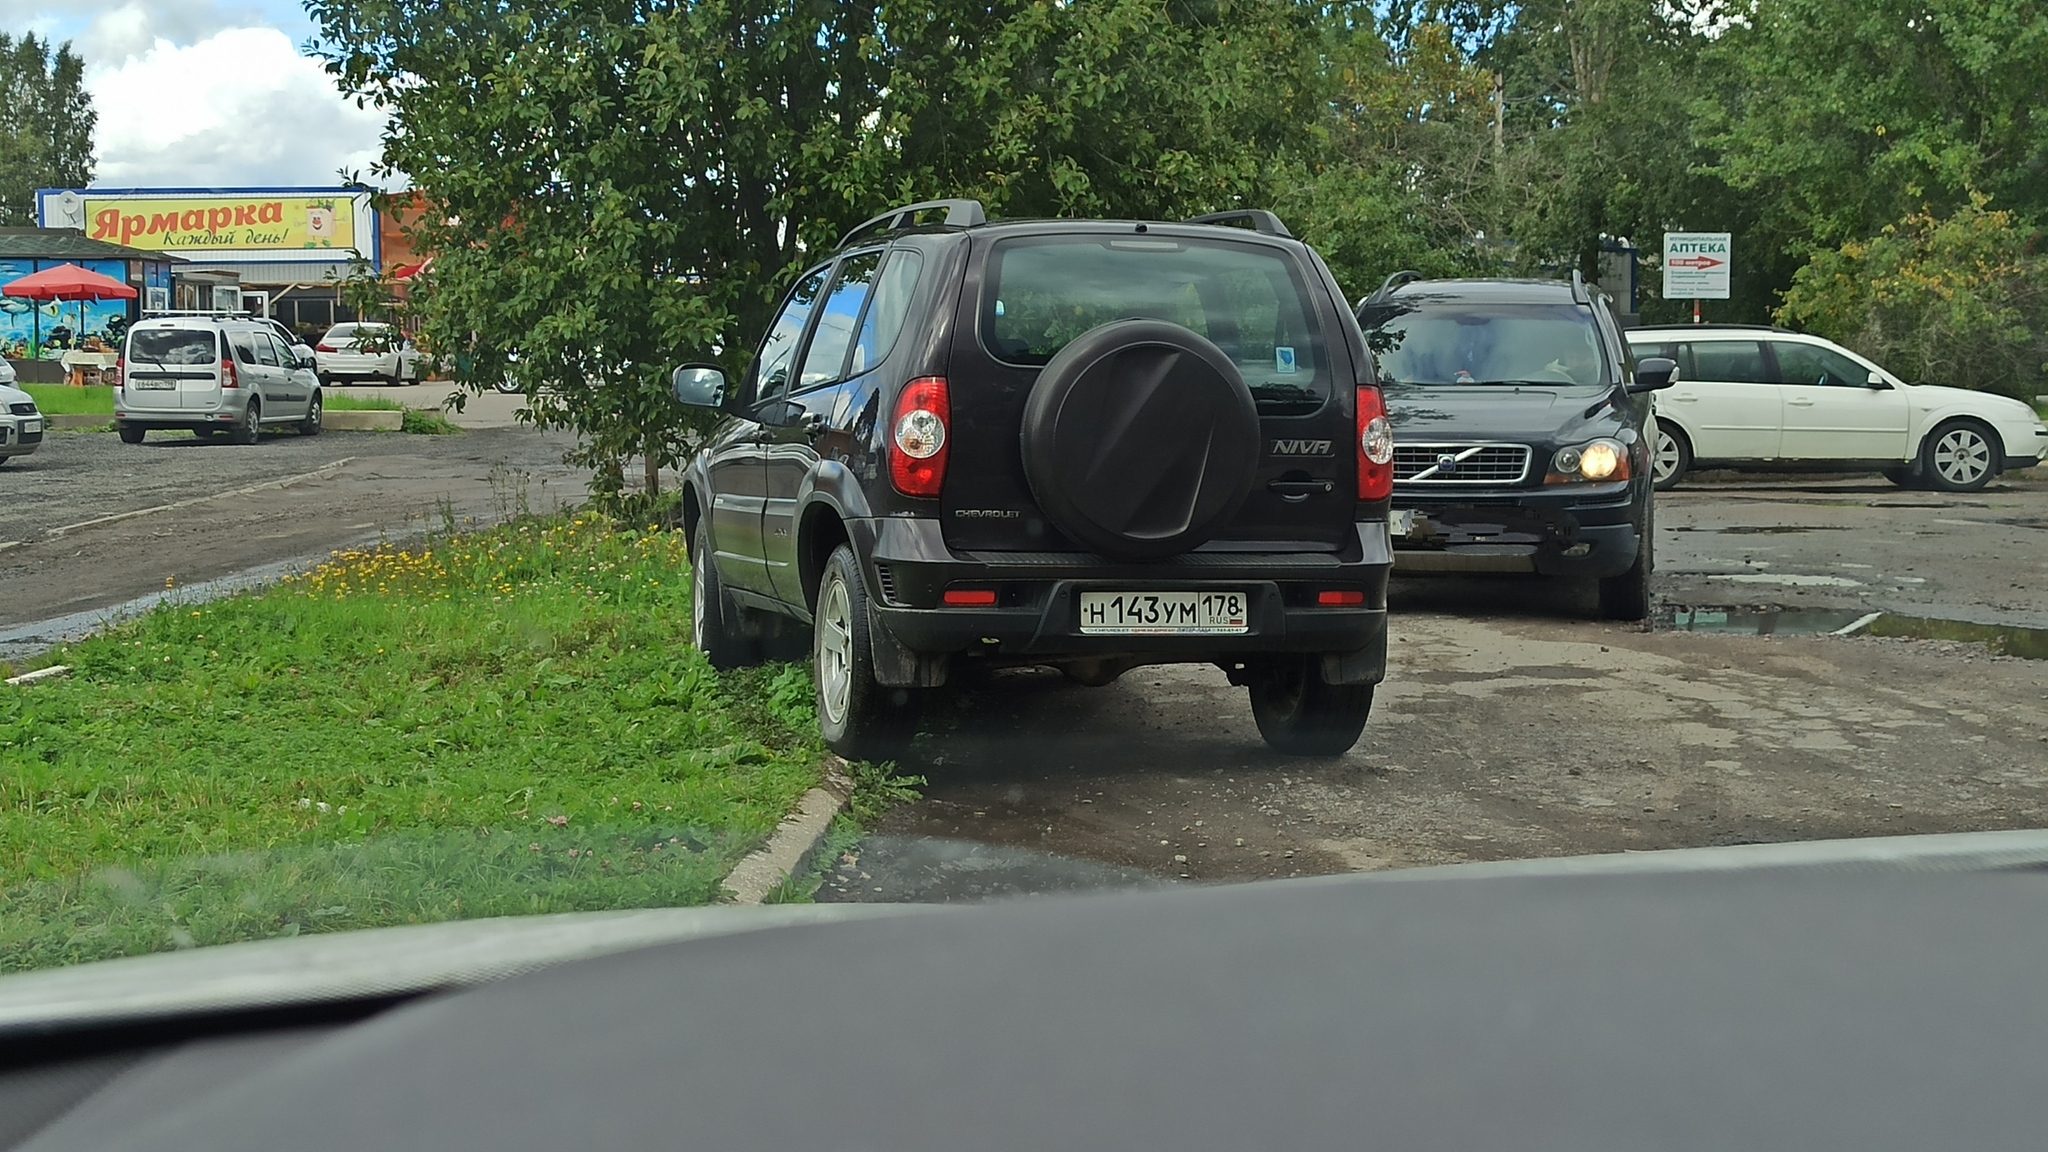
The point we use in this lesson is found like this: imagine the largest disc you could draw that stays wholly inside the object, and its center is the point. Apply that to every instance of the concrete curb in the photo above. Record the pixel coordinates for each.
(53, 672)
(361, 421)
(64, 420)
(790, 849)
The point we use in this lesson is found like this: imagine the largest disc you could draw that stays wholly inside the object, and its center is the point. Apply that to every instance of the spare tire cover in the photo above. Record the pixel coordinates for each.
(1140, 439)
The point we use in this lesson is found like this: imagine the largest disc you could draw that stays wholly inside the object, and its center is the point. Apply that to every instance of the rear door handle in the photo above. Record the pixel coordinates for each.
(1800, 402)
(1295, 491)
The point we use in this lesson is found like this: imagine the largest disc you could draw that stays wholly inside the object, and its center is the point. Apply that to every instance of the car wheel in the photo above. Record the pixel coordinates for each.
(1627, 596)
(1957, 457)
(1672, 458)
(1903, 477)
(508, 386)
(310, 426)
(250, 429)
(131, 435)
(860, 718)
(204, 433)
(713, 616)
(1300, 714)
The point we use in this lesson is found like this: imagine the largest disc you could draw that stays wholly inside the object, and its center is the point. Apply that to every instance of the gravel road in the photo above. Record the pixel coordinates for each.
(1513, 726)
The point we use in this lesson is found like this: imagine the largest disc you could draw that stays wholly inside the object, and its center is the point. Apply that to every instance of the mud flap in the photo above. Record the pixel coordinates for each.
(1367, 665)
(898, 667)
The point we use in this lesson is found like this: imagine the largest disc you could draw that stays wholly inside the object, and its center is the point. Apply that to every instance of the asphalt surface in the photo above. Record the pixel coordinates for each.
(1513, 725)
(89, 523)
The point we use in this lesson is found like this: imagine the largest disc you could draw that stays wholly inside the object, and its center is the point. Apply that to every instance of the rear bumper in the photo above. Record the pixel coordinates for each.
(1037, 614)
(1589, 531)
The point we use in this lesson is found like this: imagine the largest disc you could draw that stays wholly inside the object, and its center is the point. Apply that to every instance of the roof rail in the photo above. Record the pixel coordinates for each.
(1262, 221)
(1579, 293)
(1677, 325)
(197, 312)
(1387, 286)
(959, 214)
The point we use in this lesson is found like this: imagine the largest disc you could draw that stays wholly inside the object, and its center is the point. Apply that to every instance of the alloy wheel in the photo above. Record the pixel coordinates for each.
(1962, 456)
(1666, 460)
(698, 593)
(834, 650)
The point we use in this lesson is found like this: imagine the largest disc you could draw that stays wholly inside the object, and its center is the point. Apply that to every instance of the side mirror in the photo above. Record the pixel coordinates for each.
(1876, 380)
(1654, 373)
(699, 386)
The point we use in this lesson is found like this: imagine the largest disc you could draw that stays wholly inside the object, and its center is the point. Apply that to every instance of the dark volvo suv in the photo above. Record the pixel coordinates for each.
(1525, 431)
(1091, 445)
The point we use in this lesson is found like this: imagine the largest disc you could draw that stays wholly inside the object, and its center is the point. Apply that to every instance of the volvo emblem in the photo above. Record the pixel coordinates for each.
(1446, 463)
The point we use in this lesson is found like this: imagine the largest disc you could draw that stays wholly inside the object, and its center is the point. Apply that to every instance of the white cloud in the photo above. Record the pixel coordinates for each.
(240, 107)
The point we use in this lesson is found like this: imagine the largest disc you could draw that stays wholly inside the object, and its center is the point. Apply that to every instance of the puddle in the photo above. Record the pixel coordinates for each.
(2029, 643)
(1764, 621)
(1768, 529)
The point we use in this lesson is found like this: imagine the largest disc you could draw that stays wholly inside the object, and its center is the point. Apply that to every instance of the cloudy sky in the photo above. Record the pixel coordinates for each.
(205, 93)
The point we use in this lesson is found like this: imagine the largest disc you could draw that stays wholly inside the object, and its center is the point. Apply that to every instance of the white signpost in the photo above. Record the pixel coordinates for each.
(1696, 266)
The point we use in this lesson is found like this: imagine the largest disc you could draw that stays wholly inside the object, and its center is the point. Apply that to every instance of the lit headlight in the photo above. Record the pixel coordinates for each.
(1598, 460)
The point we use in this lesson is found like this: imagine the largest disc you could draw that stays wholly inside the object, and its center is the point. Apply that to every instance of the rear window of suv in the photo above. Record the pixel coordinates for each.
(173, 346)
(1042, 292)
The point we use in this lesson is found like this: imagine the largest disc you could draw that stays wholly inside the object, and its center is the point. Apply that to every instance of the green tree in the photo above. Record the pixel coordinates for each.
(1960, 299)
(622, 183)
(1845, 115)
(46, 123)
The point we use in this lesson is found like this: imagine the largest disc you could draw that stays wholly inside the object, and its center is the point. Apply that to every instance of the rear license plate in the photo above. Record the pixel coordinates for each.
(1163, 613)
(156, 385)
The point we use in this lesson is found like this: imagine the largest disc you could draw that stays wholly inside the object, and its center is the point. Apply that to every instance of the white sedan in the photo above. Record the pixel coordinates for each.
(366, 352)
(1752, 397)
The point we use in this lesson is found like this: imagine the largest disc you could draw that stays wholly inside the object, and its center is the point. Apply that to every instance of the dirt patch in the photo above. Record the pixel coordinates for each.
(1501, 740)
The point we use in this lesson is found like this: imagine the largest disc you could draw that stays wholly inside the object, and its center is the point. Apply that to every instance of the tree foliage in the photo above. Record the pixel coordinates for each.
(46, 123)
(1960, 299)
(624, 184)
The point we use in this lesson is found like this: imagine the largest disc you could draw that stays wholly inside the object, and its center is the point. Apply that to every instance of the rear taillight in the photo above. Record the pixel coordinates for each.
(118, 374)
(1375, 446)
(920, 437)
(325, 348)
(228, 379)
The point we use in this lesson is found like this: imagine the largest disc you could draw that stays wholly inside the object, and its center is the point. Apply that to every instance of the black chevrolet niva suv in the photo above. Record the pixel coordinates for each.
(1084, 444)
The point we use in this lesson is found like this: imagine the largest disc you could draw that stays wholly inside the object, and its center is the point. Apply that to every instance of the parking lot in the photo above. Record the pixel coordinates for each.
(1513, 725)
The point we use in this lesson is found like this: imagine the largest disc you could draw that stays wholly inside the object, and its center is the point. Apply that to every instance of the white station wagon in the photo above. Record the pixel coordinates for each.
(1753, 397)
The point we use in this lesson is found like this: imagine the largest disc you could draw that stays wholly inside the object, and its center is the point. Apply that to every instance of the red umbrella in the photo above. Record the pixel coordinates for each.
(70, 282)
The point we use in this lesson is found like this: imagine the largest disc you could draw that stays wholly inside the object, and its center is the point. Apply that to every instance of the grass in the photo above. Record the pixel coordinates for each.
(66, 400)
(427, 422)
(500, 723)
(334, 402)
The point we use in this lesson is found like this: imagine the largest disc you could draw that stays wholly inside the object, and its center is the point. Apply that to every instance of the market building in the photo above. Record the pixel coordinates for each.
(280, 252)
(38, 333)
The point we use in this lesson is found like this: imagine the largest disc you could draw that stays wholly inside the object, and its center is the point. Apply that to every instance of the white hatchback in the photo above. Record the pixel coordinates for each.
(1753, 397)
